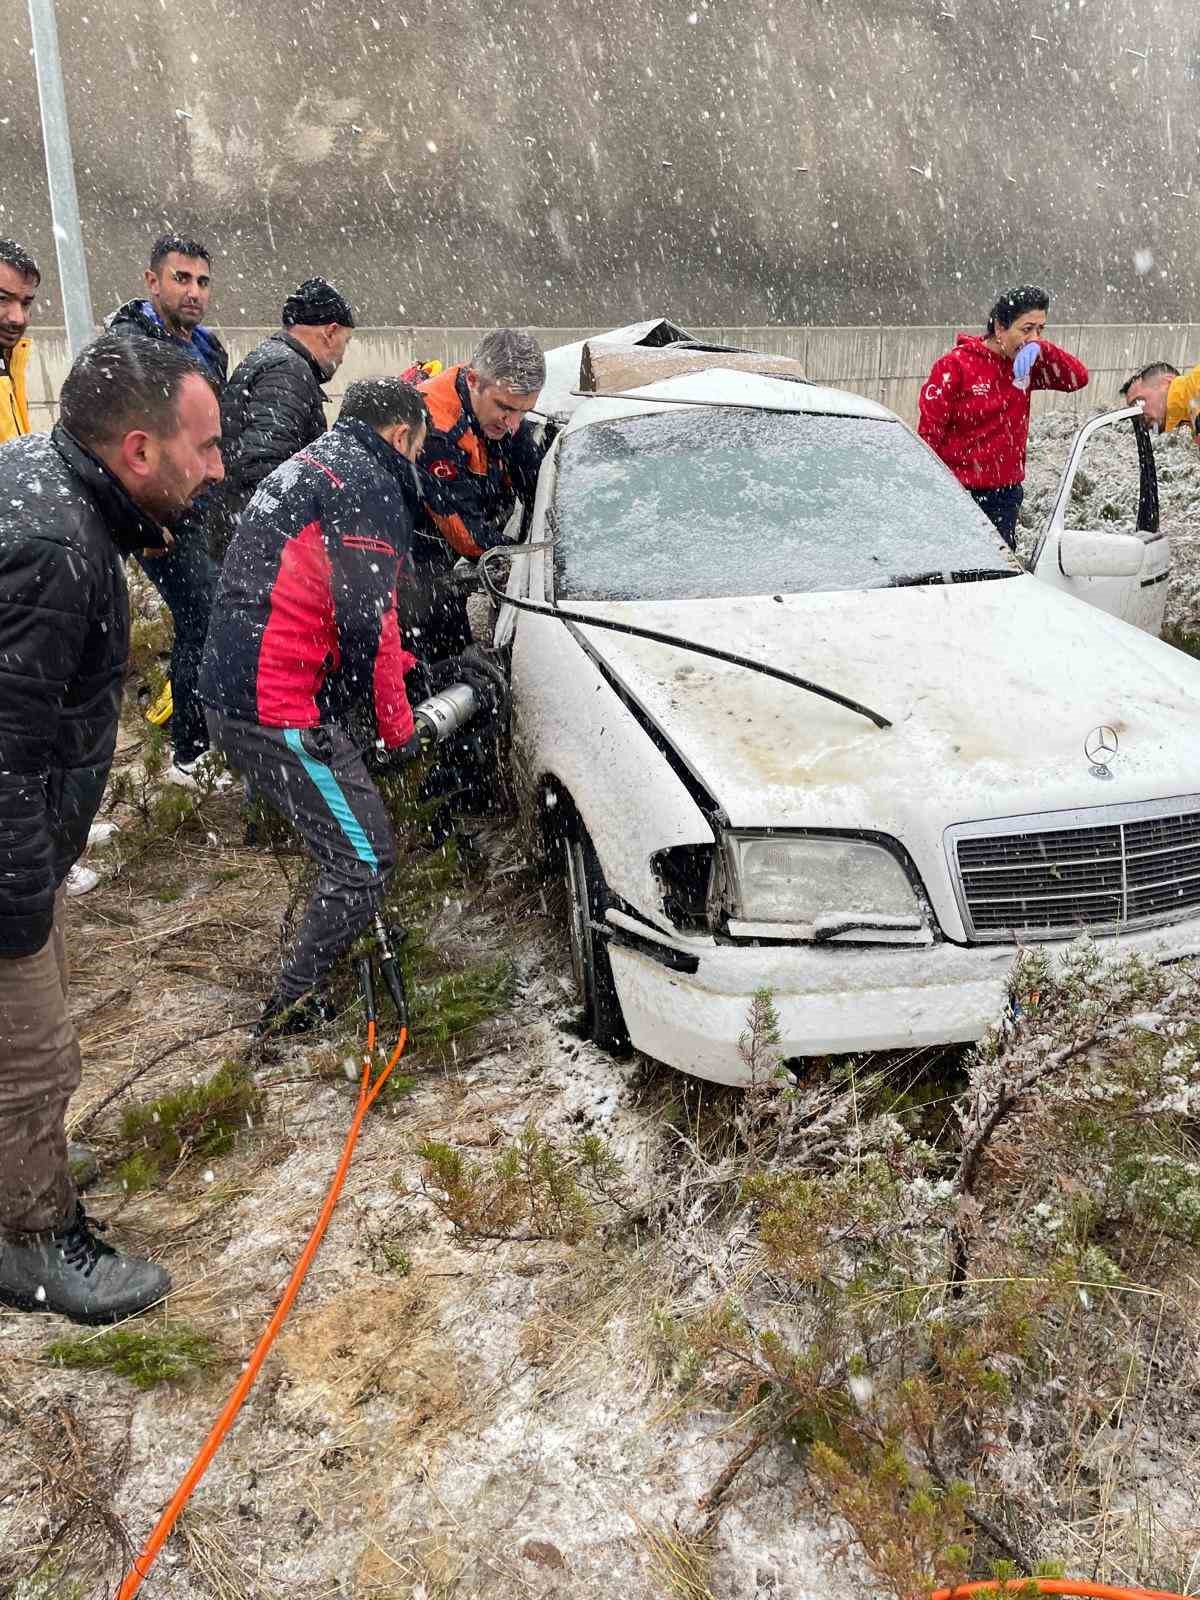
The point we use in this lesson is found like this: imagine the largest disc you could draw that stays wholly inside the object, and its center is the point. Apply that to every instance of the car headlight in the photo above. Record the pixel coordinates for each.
(820, 887)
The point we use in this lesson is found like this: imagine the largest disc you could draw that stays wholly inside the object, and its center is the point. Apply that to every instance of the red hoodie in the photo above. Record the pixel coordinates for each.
(975, 417)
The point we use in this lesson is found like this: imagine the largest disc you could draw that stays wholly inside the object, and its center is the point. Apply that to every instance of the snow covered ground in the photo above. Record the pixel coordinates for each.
(438, 1418)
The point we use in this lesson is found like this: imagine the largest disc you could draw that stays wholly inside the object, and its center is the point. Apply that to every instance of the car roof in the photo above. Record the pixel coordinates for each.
(720, 386)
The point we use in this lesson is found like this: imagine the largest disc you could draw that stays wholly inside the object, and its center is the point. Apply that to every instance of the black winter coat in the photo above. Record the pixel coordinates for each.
(204, 515)
(65, 525)
(208, 350)
(272, 406)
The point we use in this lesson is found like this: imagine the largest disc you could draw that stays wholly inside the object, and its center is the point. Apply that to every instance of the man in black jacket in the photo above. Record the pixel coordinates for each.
(138, 437)
(178, 286)
(178, 289)
(274, 404)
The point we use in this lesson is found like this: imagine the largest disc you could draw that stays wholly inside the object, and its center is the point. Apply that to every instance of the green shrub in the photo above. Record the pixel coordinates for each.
(201, 1120)
(533, 1188)
(909, 1312)
(150, 640)
(447, 1006)
(146, 1357)
(1182, 639)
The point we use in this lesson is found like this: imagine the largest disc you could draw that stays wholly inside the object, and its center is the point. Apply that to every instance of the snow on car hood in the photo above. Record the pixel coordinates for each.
(991, 687)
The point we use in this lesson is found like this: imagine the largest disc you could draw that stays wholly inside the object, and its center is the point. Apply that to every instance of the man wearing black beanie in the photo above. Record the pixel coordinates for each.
(273, 404)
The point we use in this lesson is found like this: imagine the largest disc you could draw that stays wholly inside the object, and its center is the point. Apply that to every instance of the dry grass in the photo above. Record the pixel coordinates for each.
(64, 1476)
(681, 1564)
(212, 1554)
(429, 1568)
(376, 1373)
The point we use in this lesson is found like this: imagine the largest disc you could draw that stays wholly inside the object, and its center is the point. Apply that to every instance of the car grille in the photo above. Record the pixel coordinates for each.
(1055, 875)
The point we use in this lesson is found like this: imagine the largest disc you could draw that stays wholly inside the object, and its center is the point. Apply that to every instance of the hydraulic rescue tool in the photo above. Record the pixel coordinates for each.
(442, 715)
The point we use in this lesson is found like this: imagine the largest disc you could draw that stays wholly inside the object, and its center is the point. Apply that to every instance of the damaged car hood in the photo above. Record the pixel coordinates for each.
(992, 689)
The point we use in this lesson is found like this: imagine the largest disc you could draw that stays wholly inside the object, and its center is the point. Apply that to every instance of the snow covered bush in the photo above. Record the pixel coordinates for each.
(945, 1332)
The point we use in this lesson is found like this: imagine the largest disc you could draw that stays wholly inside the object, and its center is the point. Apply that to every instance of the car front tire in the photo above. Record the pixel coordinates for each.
(587, 899)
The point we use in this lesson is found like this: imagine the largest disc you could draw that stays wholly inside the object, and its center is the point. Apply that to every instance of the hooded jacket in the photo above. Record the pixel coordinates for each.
(977, 420)
(304, 624)
(272, 406)
(14, 404)
(65, 526)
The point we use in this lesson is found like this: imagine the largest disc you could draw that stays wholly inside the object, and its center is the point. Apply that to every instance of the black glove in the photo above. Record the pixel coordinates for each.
(480, 670)
(380, 761)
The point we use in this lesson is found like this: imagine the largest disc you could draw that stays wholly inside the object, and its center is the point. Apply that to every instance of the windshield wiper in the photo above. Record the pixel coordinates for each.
(910, 580)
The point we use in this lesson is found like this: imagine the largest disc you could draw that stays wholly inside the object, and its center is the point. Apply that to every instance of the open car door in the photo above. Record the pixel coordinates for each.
(1107, 548)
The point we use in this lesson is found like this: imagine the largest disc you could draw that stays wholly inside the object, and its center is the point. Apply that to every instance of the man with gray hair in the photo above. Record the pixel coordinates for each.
(480, 456)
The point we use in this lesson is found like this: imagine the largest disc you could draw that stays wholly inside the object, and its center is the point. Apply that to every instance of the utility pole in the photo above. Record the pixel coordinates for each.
(60, 175)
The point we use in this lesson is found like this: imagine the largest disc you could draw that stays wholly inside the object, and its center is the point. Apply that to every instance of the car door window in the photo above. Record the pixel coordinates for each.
(1104, 493)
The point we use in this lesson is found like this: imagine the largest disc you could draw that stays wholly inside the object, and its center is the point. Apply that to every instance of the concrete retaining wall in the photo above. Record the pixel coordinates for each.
(887, 364)
(785, 161)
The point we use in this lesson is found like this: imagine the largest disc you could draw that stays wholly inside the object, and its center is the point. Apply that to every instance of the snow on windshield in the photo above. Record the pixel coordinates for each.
(702, 502)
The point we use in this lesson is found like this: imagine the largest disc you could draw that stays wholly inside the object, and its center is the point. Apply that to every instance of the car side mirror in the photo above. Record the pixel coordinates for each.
(1100, 555)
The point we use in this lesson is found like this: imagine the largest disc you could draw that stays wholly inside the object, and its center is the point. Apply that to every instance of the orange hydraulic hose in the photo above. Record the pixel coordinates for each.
(1075, 1586)
(367, 1094)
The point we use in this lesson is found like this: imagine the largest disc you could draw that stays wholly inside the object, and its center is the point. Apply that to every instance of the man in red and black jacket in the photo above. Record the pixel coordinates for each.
(304, 633)
(479, 456)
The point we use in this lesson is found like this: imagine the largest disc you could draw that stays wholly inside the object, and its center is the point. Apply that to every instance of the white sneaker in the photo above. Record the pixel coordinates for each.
(100, 833)
(81, 879)
(201, 772)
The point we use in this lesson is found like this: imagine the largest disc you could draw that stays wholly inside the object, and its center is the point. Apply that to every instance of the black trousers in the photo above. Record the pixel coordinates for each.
(1001, 507)
(186, 578)
(316, 779)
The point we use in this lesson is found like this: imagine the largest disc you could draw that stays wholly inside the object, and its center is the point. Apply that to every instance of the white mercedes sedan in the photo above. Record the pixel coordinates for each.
(789, 715)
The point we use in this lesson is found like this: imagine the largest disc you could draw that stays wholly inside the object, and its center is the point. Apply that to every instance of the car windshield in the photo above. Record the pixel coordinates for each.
(701, 502)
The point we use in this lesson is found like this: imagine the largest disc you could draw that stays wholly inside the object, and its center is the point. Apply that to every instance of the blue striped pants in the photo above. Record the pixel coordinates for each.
(316, 779)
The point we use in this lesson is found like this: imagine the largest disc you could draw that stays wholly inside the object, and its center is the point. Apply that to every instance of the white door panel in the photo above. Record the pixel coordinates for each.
(1136, 597)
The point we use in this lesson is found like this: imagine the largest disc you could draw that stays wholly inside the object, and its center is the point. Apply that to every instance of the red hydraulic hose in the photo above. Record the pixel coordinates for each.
(1073, 1586)
(367, 1094)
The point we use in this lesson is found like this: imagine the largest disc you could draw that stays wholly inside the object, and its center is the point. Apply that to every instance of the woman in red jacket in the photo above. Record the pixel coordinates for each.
(975, 402)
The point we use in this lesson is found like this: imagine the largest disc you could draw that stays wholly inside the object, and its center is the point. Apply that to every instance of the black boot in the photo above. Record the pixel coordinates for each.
(282, 1018)
(70, 1271)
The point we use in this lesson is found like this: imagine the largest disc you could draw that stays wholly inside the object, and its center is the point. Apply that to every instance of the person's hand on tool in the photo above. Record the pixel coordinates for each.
(432, 677)
(1024, 362)
(379, 760)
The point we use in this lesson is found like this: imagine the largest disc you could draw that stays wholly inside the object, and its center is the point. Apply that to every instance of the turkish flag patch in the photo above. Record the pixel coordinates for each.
(445, 470)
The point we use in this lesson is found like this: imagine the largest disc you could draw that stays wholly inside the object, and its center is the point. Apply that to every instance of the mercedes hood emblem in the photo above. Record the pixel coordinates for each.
(1101, 747)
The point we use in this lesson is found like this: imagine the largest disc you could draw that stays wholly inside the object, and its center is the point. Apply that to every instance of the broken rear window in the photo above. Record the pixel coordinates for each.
(701, 502)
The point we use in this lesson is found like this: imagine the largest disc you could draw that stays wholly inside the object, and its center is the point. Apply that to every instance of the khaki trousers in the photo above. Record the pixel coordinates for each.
(39, 1072)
